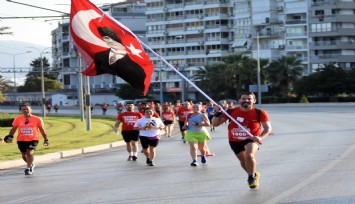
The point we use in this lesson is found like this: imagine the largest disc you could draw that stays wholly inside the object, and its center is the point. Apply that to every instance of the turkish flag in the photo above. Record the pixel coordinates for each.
(109, 47)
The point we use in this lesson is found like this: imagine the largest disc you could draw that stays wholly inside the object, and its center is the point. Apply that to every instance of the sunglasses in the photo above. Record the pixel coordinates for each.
(26, 122)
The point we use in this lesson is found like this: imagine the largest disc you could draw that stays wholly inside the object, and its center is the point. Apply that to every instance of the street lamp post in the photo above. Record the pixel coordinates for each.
(41, 52)
(14, 65)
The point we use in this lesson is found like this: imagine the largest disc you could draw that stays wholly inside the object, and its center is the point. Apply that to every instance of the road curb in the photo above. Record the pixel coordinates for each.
(50, 157)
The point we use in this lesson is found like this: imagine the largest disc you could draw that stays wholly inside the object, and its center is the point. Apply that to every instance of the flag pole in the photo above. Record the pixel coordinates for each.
(196, 87)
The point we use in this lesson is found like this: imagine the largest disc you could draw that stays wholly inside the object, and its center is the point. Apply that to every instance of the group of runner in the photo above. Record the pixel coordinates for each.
(248, 127)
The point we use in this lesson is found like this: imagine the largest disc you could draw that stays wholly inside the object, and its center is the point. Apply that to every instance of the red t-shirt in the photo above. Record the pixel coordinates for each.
(29, 131)
(128, 119)
(182, 113)
(168, 115)
(249, 120)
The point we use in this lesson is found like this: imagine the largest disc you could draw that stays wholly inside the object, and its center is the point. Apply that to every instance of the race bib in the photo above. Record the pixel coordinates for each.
(26, 131)
(239, 133)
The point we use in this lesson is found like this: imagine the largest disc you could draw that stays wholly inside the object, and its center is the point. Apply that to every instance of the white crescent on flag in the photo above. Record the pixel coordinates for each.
(80, 25)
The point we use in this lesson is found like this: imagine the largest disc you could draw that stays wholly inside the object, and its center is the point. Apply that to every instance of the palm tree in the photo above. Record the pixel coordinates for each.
(230, 78)
(283, 72)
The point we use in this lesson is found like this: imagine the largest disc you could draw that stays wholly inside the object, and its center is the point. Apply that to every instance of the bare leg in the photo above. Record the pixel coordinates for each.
(193, 150)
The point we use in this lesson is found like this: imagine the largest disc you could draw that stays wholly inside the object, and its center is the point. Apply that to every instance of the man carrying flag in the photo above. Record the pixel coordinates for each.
(109, 47)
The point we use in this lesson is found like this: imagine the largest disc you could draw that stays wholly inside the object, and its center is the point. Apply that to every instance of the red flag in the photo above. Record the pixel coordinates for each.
(109, 47)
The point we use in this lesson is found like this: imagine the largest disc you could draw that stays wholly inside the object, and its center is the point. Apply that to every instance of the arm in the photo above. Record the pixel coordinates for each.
(217, 121)
(43, 132)
(117, 124)
(13, 130)
(266, 131)
(206, 121)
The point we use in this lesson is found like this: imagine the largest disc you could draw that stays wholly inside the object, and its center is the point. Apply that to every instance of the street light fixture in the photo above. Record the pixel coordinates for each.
(41, 52)
(14, 65)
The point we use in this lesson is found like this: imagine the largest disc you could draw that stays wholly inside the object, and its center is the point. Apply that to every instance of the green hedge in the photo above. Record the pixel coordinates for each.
(6, 120)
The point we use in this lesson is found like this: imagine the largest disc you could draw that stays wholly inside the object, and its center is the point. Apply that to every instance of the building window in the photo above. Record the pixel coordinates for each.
(66, 79)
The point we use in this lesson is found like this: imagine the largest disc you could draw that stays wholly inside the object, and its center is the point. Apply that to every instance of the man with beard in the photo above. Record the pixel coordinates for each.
(243, 145)
(130, 136)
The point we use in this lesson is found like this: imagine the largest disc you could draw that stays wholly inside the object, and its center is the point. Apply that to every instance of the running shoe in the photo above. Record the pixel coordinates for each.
(151, 164)
(148, 161)
(134, 158)
(203, 160)
(194, 163)
(253, 181)
(129, 158)
(32, 168)
(28, 171)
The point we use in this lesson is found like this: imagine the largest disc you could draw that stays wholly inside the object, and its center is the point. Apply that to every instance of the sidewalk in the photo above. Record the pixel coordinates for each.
(46, 158)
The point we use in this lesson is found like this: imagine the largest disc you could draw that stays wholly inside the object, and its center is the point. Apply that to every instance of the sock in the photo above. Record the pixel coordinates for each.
(135, 153)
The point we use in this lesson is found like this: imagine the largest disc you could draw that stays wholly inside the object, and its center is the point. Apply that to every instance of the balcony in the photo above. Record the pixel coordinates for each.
(324, 58)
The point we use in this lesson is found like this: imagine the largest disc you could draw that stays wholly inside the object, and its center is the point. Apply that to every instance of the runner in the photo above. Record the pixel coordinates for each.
(168, 118)
(183, 111)
(197, 134)
(149, 133)
(244, 146)
(28, 126)
(56, 108)
(145, 105)
(130, 136)
(210, 113)
(104, 108)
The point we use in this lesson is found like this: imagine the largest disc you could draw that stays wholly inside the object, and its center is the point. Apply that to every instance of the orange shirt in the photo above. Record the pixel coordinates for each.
(182, 113)
(168, 115)
(27, 132)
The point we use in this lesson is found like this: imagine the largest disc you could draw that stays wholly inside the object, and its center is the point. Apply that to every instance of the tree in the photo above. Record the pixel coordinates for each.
(3, 86)
(330, 80)
(125, 91)
(33, 78)
(47, 72)
(283, 73)
(230, 78)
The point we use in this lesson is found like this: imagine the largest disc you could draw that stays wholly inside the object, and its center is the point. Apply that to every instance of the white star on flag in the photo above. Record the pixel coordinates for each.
(135, 51)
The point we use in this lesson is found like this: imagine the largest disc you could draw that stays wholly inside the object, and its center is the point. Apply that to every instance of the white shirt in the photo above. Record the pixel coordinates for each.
(154, 122)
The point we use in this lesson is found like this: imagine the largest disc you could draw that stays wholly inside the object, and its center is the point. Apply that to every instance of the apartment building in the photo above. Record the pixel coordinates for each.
(190, 34)
(332, 33)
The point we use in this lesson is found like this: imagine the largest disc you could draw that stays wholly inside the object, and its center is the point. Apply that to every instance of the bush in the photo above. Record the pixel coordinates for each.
(304, 99)
(6, 120)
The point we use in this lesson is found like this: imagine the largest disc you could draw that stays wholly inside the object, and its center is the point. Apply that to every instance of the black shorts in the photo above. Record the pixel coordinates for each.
(181, 124)
(130, 135)
(23, 146)
(238, 147)
(168, 122)
(146, 142)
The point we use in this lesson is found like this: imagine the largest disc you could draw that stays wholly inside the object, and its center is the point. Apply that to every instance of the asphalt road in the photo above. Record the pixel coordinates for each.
(309, 158)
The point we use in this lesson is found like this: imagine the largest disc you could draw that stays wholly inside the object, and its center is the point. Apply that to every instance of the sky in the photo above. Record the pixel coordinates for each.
(29, 32)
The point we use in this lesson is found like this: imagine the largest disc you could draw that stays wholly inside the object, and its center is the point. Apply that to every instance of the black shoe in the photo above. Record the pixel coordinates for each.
(194, 163)
(134, 158)
(148, 161)
(151, 164)
(253, 181)
(28, 171)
